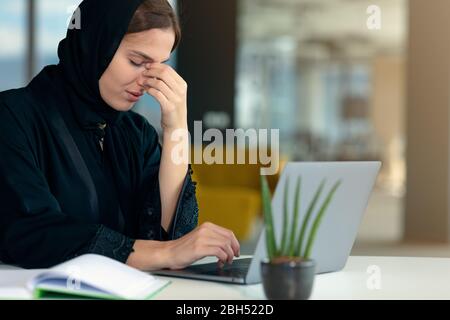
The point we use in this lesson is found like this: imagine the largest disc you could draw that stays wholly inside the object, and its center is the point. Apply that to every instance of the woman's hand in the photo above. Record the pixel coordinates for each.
(170, 90)
(206, 240)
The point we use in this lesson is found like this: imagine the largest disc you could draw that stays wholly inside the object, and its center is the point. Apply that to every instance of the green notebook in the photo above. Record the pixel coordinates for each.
(89, 276)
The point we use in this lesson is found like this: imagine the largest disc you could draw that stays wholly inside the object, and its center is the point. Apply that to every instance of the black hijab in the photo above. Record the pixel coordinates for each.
(86, 52)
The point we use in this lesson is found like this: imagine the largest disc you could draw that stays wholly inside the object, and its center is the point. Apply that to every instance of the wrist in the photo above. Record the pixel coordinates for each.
(175, 128)
(149, 255)
(178, 137)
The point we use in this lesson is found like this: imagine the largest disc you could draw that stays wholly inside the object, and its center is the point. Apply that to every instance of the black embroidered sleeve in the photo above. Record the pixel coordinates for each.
(109, 243)
(186, 215)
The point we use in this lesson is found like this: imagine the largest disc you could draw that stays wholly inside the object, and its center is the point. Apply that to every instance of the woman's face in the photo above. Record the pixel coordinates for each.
(121, 83)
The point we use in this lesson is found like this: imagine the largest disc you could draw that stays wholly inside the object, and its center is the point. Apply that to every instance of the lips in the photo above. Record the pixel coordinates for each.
(134, 96)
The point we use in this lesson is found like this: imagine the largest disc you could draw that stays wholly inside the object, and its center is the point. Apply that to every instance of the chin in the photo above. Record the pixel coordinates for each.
(126, 106)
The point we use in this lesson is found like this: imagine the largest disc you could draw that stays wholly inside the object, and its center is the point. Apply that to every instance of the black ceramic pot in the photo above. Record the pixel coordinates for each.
(290, 280)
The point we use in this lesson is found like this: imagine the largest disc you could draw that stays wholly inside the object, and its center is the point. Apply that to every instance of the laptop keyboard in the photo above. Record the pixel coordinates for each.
(238, 269)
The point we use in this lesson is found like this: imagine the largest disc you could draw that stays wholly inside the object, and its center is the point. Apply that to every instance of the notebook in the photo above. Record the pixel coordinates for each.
(87, 276)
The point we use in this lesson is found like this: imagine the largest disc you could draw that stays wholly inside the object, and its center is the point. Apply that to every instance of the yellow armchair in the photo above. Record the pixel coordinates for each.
(229, 195)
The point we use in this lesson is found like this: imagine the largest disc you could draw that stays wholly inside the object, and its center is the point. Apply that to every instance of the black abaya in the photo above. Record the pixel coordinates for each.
(63, 192)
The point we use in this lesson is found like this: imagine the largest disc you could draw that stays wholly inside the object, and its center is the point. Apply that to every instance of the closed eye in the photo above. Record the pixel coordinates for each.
(135, 64)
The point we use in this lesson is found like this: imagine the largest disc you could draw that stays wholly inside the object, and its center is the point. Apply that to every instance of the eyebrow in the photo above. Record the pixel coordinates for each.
(146, 56)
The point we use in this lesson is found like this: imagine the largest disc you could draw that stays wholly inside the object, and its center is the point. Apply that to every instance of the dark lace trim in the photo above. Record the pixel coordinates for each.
(186, 217)
(111, 244)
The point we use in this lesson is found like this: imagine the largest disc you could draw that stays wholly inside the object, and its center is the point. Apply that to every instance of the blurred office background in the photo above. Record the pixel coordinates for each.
(313, 69)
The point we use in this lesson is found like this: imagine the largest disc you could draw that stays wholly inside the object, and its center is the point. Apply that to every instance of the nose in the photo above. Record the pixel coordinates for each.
(141, 83)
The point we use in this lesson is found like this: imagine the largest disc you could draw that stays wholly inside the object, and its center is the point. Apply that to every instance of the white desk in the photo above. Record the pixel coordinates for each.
(399, 278)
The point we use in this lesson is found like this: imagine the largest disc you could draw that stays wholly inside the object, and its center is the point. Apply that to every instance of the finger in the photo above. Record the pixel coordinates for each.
(161, 86)
(217, 252)
(227, 233)
(160, 97)
(164, 76)
(214, 239)
(230, 252)
(229, 236)
(164, 67)
(224, 244)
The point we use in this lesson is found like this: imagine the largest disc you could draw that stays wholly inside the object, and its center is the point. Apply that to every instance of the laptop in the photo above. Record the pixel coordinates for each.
(335, 236)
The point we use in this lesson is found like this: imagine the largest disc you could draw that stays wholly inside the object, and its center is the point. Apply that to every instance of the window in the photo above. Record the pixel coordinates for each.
(52, 21)
(13, 44)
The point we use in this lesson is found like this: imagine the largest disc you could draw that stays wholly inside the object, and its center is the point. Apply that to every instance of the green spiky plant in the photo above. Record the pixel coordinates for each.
(293, 246)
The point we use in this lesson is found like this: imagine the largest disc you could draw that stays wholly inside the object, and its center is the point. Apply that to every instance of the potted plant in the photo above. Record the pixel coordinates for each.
(289, 271)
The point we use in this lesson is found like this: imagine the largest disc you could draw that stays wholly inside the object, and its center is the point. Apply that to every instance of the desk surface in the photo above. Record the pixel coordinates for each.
(362, 278)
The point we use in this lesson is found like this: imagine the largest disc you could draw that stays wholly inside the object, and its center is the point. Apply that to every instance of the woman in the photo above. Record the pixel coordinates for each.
(80, 172)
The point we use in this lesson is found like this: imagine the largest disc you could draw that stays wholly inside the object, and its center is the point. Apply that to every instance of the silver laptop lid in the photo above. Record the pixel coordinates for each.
(342, 219)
